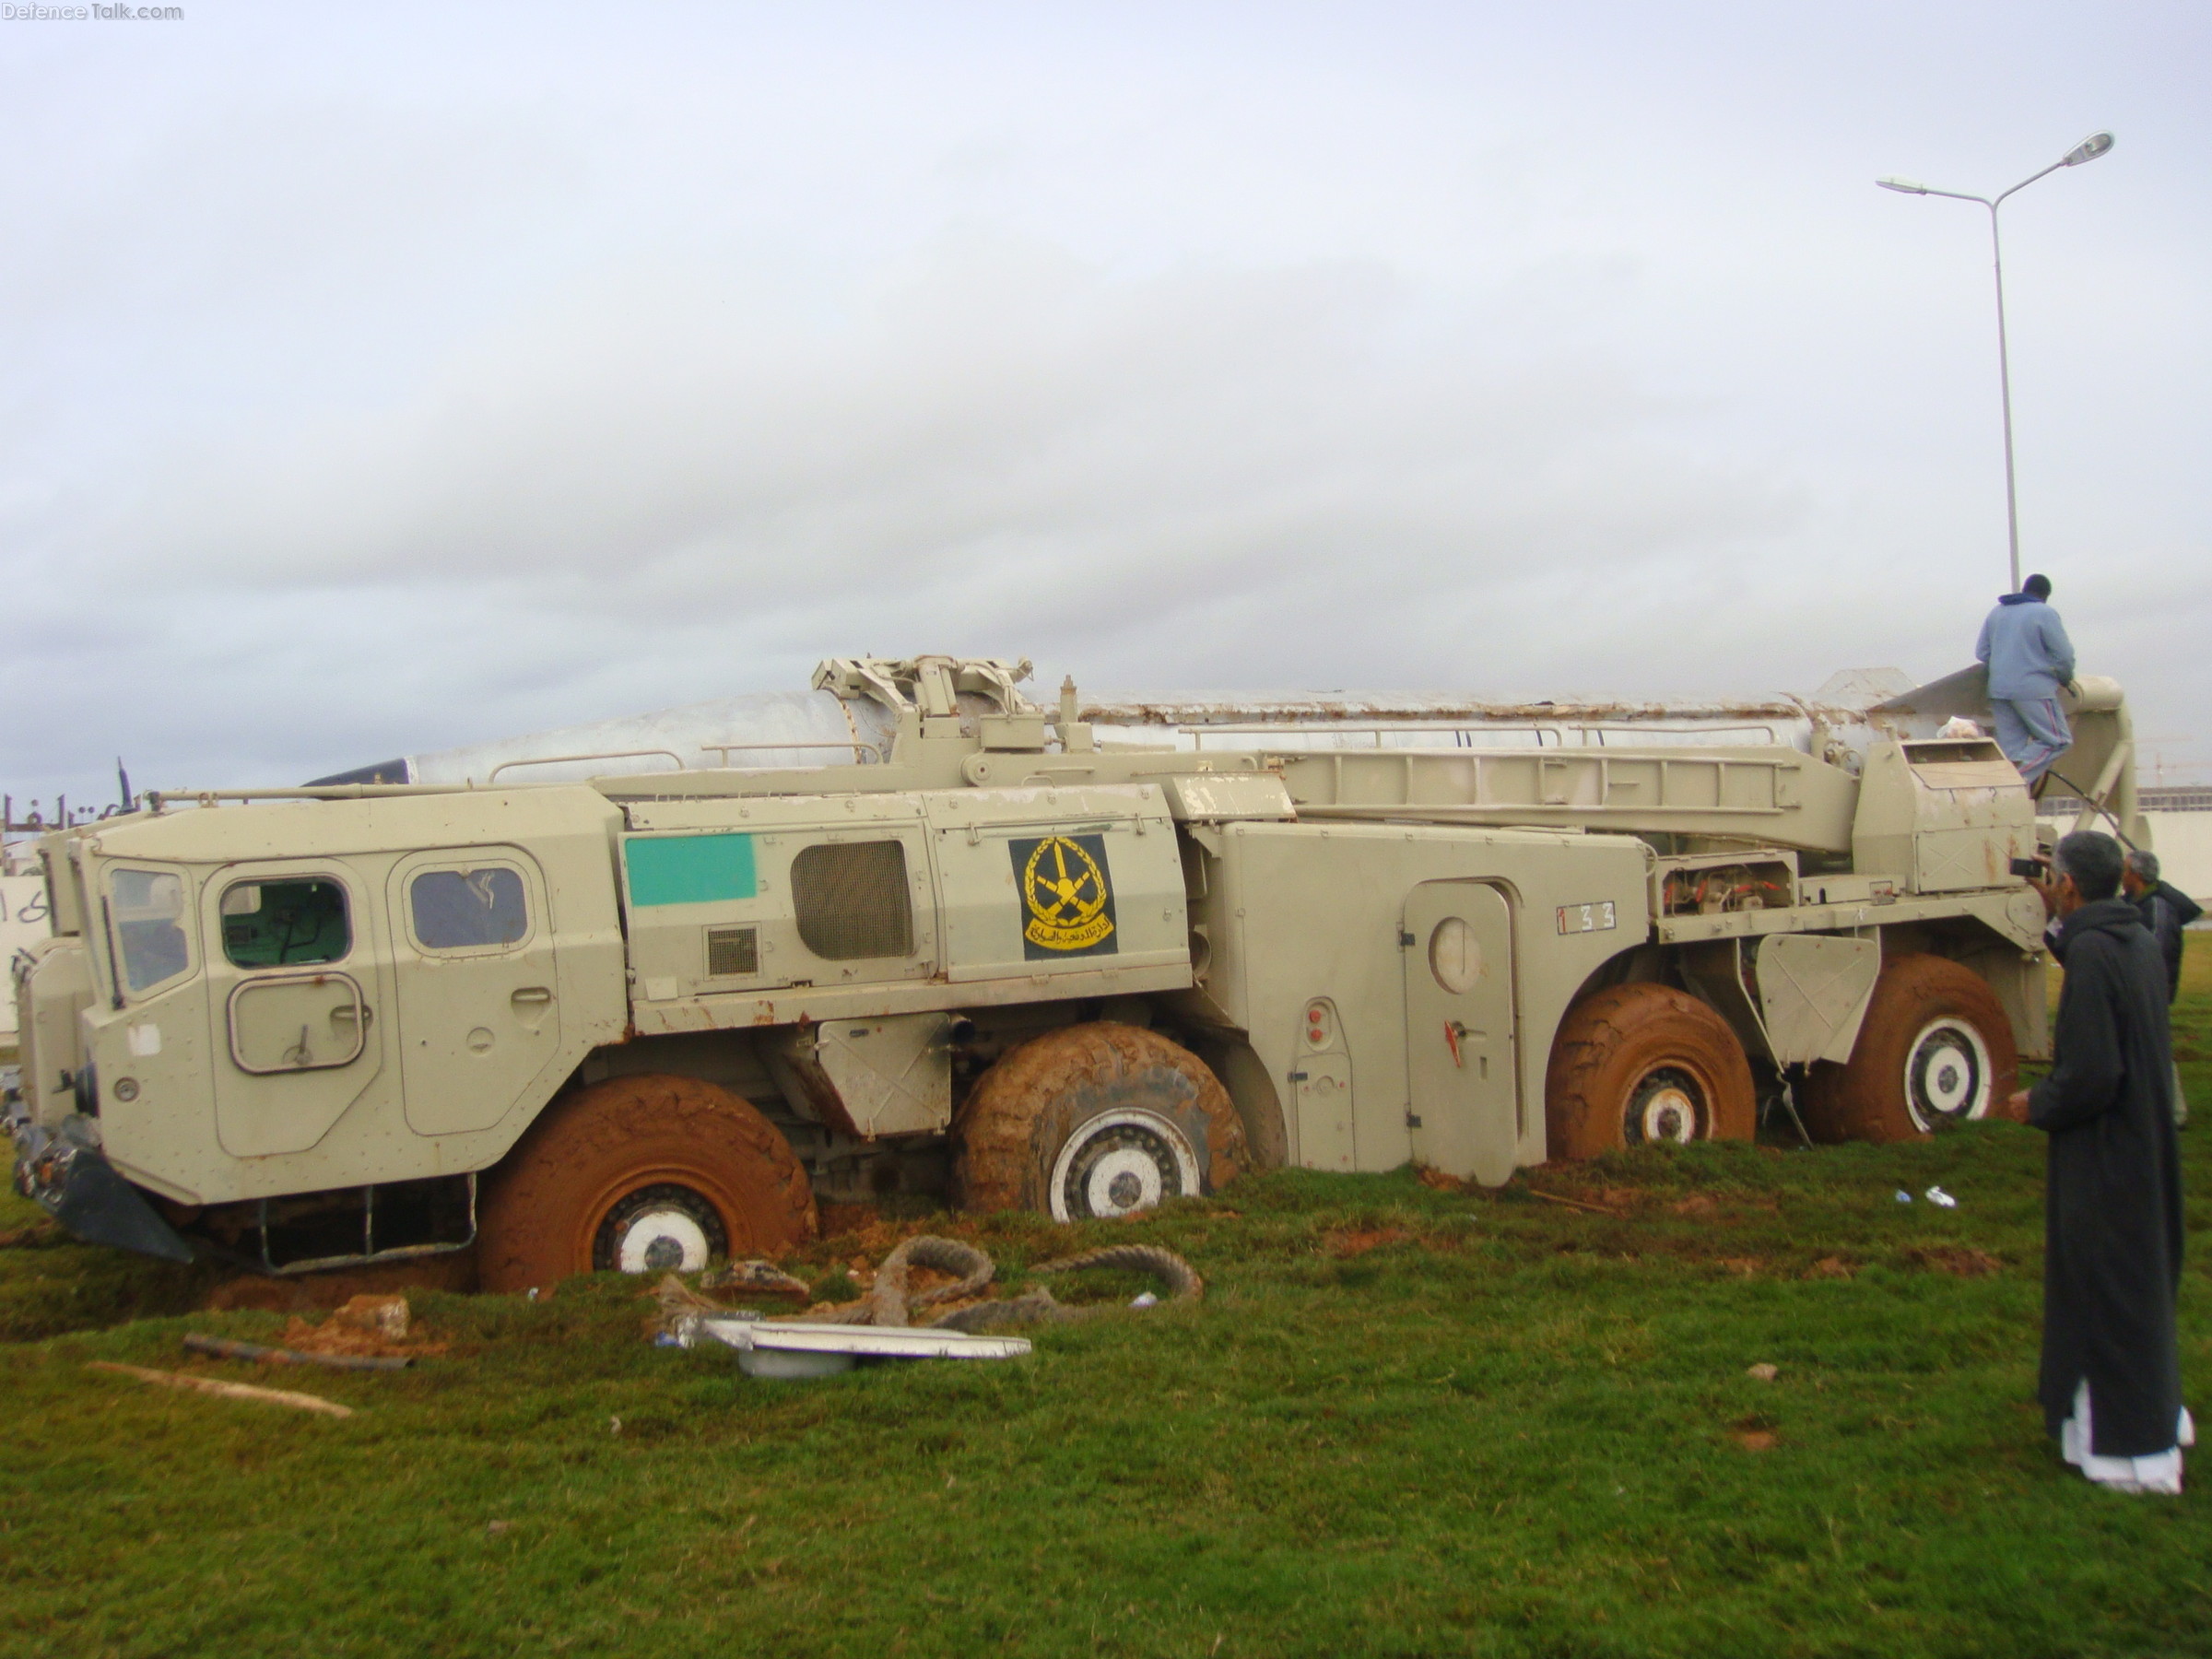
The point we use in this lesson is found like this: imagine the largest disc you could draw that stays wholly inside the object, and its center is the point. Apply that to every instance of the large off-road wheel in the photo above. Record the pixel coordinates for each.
(1641, 1064)
(1935, 1049)
(1095, 1120)
(640, 1174)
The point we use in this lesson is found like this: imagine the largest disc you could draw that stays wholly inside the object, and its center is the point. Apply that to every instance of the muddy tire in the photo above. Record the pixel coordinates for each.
(1639, 1063)
(643, 1174)
(1935, 1049)
(1095, 1121)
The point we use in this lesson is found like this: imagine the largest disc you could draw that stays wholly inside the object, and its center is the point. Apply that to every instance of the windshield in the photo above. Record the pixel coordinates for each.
(149, 931)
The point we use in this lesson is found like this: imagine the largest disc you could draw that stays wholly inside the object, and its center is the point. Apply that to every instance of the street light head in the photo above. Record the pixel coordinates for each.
(2089, 149)
(1908, 187)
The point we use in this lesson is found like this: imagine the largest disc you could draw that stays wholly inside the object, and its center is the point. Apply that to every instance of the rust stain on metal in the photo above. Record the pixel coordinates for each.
(828, 1104)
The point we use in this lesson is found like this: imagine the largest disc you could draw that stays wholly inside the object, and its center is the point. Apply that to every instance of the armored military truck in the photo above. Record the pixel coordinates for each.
(639, 1019)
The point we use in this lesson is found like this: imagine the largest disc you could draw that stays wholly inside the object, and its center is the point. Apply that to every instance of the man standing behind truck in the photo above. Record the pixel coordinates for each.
(2166, 910)
(2030, 658)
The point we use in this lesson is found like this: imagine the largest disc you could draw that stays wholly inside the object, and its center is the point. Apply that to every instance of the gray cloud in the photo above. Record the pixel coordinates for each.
(429, 403)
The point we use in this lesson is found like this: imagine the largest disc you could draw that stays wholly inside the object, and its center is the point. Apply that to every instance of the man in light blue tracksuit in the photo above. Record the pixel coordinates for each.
(2029, 658)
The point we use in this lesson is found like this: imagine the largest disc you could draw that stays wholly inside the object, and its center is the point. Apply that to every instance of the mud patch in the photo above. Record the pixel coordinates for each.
(1961, 1260)
(1757, 1432)
(365, 1326)
(1354, 1241)
(849, 1221)
(311, 1292)
(1711, 1207)
(1622, 1198)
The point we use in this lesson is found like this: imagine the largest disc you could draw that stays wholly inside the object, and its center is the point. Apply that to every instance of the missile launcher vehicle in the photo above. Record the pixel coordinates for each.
(572, 1007)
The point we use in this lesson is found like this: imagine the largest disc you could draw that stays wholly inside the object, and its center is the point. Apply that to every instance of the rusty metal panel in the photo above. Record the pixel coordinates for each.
(1217, 797)
(1941, 817)
(870, 1077)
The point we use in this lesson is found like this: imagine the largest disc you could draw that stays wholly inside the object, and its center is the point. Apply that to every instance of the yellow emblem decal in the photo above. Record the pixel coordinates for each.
(1067, 896)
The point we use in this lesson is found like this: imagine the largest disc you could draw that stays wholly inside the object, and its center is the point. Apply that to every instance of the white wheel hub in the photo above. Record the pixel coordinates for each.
(1119, 1163)
(662, 1240)
(1670, 1115)
(1947, 1075)
(1664, 1106)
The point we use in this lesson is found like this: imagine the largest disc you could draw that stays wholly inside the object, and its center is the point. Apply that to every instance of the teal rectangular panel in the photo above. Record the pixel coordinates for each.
(689, 869)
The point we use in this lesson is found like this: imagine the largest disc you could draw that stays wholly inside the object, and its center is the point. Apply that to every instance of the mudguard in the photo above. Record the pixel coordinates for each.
(73, 1182)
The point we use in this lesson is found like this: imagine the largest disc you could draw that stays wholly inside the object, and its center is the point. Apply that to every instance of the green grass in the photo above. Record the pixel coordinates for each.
(1405, 1421)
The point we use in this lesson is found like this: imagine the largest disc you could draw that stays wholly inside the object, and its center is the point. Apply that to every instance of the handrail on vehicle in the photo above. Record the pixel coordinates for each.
(865, 753)
(492, 777)
(1468, 736)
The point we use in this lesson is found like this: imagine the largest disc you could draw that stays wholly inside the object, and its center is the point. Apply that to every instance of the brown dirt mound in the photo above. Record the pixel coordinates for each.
(307, 1293)
(369, 1326)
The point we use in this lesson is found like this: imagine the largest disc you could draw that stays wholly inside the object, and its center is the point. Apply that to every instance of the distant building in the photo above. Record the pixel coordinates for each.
(2180, 831)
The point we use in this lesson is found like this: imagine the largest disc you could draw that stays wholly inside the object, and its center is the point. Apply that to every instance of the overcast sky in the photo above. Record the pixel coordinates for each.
(380, 378)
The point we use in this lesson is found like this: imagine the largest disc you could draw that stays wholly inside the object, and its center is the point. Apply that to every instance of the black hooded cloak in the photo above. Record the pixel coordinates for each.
(2112, 1206)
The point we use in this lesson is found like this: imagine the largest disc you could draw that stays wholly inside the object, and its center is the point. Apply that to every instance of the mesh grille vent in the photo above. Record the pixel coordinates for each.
(732, 951)
(852, 900)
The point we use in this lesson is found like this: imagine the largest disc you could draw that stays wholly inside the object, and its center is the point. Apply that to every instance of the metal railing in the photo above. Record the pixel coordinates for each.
(864, 754)
(604, 755)
(1470, 736)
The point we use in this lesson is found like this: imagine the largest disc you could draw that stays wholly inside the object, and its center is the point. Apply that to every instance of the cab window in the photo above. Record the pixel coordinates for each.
(468, 910)
(286, 924)
(150, 926)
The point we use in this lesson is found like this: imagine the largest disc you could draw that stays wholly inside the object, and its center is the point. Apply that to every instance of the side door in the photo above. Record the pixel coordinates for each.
(478, 1013)
(297, 981)
(1461, 1051)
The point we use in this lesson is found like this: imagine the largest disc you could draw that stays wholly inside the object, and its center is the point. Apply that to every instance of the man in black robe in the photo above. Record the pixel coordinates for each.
(2111, 1382)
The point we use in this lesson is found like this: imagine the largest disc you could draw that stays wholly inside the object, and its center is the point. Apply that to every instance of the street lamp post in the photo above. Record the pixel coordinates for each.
(2089, 149)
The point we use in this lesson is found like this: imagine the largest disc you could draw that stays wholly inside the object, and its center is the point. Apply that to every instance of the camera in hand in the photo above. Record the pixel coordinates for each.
(2031, 869)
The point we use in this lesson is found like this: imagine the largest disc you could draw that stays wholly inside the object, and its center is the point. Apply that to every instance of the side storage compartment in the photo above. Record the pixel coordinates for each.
(1943, 816)
(1046, 885)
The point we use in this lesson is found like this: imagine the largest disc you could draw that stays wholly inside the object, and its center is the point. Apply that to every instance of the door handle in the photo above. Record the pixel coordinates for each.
(345, 1011)
(1453, 1033)
(532, 993)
